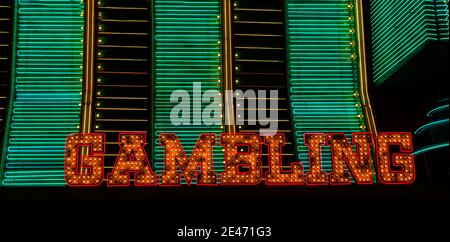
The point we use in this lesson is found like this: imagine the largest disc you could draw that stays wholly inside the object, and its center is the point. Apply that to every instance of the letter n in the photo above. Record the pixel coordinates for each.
(346, 161)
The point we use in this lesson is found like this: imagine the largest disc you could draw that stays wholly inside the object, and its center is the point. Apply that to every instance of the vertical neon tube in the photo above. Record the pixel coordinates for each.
(6, 59)
(188, 48)
(48, 90)
(402, 28)
(323, 71)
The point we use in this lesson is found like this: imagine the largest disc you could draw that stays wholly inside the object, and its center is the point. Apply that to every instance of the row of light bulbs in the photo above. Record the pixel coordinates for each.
(347, 163)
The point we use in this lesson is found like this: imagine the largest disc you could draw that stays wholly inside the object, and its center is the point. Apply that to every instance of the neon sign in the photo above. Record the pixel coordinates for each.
(347, 164)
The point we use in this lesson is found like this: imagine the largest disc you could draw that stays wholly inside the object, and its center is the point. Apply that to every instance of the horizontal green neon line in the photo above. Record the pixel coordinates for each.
(438, 109)
(431, 148)
(430, 125)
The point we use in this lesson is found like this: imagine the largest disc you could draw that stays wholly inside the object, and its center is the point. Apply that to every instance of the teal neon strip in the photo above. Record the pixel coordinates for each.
(430, 148)
(401, 28)
(323, 73)
(438, 109)
(430, 125)
(5, 132)
(47, 102)
(187, 50)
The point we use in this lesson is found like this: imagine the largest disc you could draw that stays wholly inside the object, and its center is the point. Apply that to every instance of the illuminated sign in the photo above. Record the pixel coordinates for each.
(242, 163)
(75, 73)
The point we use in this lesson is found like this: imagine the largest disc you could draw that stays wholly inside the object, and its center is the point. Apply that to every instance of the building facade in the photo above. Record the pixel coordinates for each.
(111, 66)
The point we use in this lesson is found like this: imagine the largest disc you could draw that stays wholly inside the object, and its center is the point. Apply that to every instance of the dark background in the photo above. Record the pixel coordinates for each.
(162, 210)
(298, 212)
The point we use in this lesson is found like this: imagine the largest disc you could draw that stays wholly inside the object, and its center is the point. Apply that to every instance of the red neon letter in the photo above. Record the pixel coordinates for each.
(315, 176)
(88, 172)
(275, 176)
(132, 158)
(359, 164)
(202, 153)
(403, 161)
(234, 159)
